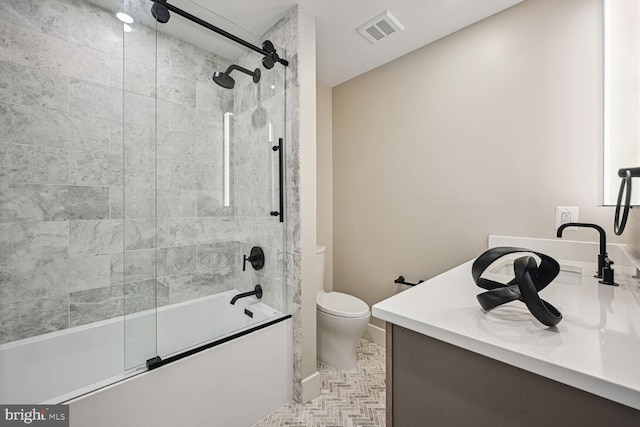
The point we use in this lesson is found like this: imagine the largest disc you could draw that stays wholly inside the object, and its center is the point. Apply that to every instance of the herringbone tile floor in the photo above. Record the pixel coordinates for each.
(354, 398)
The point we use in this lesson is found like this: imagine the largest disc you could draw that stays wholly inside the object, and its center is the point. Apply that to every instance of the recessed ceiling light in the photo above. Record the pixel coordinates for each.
(126, 28)
(124, 18)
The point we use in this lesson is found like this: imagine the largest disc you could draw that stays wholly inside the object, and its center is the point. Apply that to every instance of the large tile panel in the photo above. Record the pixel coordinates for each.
(89, 272)
(175, 89)
(29, 202)
(176, 260)
(141, 46)
(34, 126)
(58, 56)
(93, 305)
(96, 237)
(184, 176)
(139, 138)
(95, 28)
(50, 17)
(185, 287)
(95, 169)
(177, 203)
(191, 63)
(6, 244)
(209, 147)
(32, 164)
(23, 280)
(144, 295)
(5, 11)
(177, 146)
(28, 318)
(34, 241)
(210, 204)
(5, 37)
(31, 87)
(211, 97)
(213, 256)
(140, 78)
(93, 100)
(140, 233)
(139, 109)
(133, 266)
(140, 171)
(132, 203)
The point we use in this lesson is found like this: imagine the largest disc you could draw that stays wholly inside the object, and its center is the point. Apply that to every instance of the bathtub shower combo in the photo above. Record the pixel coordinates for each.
(141, 190)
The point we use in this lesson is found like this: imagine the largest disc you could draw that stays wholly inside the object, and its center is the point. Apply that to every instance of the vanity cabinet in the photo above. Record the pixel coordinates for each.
(433, 383)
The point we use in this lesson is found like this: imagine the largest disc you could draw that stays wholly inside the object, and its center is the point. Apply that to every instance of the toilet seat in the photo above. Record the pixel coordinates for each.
(342, 305)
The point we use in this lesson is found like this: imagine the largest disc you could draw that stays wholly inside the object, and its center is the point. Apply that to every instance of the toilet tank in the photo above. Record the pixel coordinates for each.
(321, 253)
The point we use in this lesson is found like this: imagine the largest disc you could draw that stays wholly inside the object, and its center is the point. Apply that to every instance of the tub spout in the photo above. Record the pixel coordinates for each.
(257, 291)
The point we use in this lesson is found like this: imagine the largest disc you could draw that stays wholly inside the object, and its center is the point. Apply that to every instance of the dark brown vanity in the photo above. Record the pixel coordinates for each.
(433, 383)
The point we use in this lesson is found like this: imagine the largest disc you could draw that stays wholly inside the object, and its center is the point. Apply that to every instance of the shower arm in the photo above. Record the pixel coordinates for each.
(267, 53)
(239, 68)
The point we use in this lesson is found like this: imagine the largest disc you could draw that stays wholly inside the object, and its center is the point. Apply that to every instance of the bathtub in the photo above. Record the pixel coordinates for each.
(59, 366)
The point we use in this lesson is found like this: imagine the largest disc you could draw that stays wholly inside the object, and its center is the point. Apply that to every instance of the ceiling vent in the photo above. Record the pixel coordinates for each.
(380, 27)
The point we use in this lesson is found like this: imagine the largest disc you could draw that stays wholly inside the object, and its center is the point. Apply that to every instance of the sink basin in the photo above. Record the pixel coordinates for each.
(502, 270)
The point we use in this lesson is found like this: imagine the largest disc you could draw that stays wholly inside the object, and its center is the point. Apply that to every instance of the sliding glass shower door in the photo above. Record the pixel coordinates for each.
(217, 182)
(77, 195)
(135, 268)
(134, 191)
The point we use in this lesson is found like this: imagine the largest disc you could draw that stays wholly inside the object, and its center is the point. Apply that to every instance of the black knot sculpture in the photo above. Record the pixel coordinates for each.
(530, 278)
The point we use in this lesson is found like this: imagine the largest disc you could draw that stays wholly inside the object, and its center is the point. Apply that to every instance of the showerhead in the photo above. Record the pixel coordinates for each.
(160, 11)
(226, 81)
(223, 79)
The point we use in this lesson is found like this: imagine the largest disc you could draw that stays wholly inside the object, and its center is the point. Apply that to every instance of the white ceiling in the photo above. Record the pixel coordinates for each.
(342, 53)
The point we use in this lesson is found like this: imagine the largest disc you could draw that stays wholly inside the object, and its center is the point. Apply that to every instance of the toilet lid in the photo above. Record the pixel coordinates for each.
(343, 305)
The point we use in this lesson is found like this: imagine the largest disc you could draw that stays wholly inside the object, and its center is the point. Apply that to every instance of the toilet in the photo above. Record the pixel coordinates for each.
(341, 320)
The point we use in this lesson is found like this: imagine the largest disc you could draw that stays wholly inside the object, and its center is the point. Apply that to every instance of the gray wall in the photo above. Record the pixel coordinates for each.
(256, 188)
(295, 32)
(89, 200)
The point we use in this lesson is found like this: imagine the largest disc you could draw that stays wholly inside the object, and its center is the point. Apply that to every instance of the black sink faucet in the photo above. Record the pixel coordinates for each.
(605, 272)
(257, 291)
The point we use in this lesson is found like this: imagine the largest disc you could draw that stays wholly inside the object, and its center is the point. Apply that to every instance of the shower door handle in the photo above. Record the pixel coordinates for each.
(280, 148)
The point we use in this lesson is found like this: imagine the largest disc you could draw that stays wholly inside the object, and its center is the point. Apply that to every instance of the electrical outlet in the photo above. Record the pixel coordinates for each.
(565, 214)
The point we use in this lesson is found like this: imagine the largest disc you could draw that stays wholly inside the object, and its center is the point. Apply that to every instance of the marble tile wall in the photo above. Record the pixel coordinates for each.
(274, 100)
(197, 254)
(60, 103)
(259, 122)
(285, 33)
(103, 212)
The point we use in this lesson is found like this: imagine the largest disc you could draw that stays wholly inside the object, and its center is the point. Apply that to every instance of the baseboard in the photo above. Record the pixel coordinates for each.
(375, 334)
(310, 387)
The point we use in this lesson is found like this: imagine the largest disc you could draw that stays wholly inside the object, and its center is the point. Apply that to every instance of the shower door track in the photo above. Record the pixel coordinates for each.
(157, 361)
(269, 52)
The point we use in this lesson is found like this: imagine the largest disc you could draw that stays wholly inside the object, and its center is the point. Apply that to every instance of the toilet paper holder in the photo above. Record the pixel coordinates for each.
(401, 281)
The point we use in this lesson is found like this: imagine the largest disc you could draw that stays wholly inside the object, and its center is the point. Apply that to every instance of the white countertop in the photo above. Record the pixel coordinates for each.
(596, 346)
